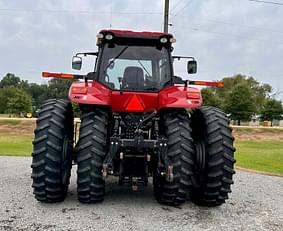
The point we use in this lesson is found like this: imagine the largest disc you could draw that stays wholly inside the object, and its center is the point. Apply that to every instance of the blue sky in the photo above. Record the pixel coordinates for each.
(226, 37)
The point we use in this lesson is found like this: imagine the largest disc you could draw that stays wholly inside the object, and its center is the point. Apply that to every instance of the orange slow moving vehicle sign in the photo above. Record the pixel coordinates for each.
(135, 105)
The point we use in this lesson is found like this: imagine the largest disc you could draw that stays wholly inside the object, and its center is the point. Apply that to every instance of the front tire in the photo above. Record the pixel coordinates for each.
(52, 147)
(214, 142)
(91, 151)
(180, 151)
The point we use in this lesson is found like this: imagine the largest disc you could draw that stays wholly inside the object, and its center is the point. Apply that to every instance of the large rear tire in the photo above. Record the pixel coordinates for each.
(211, 132)
(52, 147)
(91, 151)
(180, 151)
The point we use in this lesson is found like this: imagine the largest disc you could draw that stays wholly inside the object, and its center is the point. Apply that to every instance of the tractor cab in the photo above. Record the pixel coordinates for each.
(137, 63)
(133, 61)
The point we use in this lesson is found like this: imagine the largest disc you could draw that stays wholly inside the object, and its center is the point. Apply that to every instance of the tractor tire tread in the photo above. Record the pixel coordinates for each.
(55, 121)
(91, 151)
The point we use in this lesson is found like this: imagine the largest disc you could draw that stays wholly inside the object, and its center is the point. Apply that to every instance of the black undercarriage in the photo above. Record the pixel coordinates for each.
(137, 149)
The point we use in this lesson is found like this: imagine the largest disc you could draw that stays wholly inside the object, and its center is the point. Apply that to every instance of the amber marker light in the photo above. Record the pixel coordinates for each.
(205, 83)
(57, 75)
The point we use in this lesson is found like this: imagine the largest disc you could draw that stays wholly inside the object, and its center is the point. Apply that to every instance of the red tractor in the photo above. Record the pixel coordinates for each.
(138, 120)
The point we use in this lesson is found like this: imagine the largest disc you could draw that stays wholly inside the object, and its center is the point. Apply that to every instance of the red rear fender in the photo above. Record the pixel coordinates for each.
(90, 93)
(171, 97)
(179, 97)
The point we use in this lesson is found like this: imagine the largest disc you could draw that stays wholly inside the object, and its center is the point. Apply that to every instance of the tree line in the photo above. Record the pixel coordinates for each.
(18, 96)
(242, 97)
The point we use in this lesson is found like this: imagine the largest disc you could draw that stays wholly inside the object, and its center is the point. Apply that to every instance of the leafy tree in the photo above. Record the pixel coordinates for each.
(24, 85)
(10, 80)
(240, 103)
(58, 88)
(39, 93)
(5, 94)
(16, 100)
(259, 91)
(272, 110)
(210, 97)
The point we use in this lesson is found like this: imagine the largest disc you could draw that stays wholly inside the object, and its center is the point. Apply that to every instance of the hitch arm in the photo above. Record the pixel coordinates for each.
(107, 163)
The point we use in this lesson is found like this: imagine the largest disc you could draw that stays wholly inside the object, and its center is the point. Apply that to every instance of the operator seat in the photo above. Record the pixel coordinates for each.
(133, 78)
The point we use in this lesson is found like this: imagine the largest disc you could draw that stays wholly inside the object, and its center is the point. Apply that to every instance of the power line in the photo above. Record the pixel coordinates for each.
(78, 11)
(183, 8)
(235, 24)
(197, 30)
(175, 6)
(267, 2)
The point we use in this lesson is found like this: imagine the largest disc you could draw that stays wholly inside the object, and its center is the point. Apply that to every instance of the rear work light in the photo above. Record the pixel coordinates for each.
(163, 40)
(109, 37)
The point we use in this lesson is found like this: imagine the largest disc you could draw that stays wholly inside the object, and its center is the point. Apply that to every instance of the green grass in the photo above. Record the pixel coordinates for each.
(266, 156)
(16, 145)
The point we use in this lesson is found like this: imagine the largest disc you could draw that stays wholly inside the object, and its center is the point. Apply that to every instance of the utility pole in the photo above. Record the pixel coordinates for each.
(166, 16)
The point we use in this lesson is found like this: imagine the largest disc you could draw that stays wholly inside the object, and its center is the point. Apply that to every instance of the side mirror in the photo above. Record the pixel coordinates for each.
(76, 63)
(192, 67)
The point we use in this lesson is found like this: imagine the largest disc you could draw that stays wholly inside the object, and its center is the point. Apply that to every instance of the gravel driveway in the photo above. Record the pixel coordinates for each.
(255, 204)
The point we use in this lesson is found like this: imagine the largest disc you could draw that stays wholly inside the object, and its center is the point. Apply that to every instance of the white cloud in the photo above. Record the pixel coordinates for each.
(226, 37)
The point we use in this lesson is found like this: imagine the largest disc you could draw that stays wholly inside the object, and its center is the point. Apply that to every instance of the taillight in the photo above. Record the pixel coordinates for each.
(193, 95)
(79, 90)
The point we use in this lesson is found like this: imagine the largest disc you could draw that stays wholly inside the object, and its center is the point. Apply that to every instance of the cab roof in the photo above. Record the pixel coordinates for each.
(128, 37)
(129, 33)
